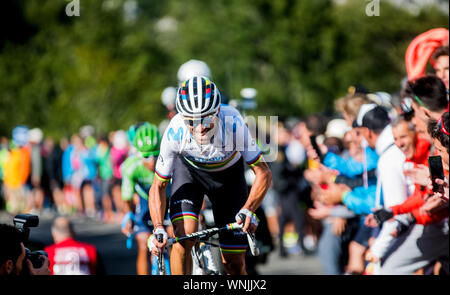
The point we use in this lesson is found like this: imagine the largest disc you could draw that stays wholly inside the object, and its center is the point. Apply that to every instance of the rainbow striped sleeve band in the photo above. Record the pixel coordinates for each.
(183, 215)
(233, 248)
(255, 160)
(162, 177)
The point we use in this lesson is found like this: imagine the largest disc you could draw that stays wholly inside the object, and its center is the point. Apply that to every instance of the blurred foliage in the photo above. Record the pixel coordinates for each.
(108, 66)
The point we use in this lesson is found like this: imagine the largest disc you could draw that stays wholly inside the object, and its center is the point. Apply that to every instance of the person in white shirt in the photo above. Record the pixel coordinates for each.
(375, 125)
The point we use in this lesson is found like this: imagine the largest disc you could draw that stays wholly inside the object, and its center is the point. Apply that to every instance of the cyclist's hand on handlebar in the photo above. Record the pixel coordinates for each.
(153, 244)
(250, 220)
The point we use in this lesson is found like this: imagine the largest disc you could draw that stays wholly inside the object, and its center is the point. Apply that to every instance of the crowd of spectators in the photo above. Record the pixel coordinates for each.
(369, 178)
(78, 176)
(353, 187)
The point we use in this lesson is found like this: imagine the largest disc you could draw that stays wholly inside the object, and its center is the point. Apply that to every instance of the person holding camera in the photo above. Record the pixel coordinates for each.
(13, 260)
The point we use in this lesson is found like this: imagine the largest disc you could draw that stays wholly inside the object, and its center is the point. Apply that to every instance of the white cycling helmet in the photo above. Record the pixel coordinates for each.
(197, 97)
(192, 68)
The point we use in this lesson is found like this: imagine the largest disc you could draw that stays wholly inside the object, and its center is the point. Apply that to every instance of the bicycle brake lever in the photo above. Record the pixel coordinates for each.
(252, 244)
(250, 237)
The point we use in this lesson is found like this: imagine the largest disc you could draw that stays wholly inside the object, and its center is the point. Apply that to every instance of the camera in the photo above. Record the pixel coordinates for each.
(23, 222)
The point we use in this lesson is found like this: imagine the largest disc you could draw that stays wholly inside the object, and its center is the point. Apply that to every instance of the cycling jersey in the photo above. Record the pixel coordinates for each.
(231, 140)
(135, 177)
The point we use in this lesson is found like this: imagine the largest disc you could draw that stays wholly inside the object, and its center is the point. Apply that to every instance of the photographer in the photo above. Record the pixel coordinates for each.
(13, 259)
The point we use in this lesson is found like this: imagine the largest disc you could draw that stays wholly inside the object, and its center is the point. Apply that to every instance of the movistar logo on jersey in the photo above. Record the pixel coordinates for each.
(175, 136)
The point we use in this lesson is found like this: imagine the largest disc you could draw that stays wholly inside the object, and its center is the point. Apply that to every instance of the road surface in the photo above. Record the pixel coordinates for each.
(111, 244)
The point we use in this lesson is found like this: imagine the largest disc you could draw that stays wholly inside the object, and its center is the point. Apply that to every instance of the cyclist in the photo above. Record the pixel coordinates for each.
(202, 151)
(137, 176)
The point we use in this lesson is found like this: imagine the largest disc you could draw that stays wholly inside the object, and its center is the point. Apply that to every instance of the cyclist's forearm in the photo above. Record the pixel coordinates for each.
(157, 202)
(263, 180)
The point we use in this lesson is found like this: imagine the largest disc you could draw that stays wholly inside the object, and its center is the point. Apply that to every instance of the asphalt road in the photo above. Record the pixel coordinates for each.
(118, 260)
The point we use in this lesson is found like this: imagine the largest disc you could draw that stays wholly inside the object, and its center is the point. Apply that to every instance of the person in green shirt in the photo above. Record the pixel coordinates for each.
(137, 178)
(105, 172)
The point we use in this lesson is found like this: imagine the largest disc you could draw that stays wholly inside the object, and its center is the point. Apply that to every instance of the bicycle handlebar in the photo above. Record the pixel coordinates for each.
(212, 231)
(204, 233)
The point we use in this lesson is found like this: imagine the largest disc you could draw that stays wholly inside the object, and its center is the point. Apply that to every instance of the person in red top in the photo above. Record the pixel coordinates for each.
(69, 256)
(417, 149)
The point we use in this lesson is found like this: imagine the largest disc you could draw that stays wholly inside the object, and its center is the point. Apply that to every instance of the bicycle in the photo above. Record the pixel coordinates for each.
(206, 265)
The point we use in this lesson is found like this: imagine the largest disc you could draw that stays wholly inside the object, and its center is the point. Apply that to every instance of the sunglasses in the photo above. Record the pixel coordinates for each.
(205, 121)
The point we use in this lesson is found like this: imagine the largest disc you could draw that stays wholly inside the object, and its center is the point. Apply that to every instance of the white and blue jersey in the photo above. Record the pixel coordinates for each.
(231, 141)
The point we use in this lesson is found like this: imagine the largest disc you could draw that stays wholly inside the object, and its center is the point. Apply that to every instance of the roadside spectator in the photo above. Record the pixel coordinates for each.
(90, 185)
(53, 166)
(69, 256)
(429, 98)
(35, 200)
(103, 156)
(17, 170)
(119, 152)
(421, 49)
(422, 246)
(441, 64)
(286, 177)
(72, 175)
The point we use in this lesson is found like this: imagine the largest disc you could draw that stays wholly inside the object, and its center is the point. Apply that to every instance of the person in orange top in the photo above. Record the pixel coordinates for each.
(16, 172)
(17, 167)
